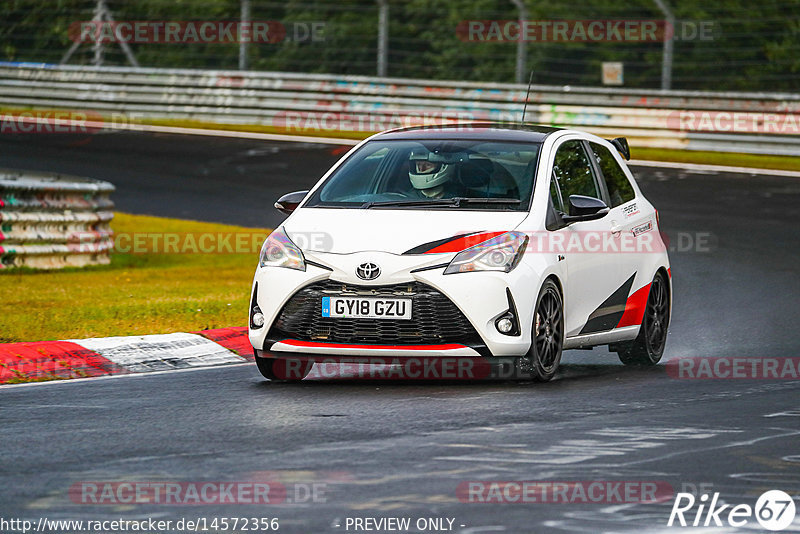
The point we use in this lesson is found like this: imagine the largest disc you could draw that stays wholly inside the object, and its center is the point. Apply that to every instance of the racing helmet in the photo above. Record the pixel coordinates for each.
(425, 174)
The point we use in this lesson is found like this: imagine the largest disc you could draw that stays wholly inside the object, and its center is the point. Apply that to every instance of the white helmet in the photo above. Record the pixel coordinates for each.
(425, 174)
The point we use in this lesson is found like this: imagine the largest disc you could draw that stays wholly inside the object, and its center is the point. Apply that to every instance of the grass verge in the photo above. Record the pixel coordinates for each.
(757, 161)
(137, 294)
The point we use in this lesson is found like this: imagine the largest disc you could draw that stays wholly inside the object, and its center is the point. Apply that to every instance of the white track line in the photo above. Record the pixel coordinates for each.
(716, 168)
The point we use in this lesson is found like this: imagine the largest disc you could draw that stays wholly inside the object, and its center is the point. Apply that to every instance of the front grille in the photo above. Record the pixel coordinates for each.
(434, 317)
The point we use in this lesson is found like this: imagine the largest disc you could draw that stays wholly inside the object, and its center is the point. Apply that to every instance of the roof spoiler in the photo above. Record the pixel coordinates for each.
(621, 144)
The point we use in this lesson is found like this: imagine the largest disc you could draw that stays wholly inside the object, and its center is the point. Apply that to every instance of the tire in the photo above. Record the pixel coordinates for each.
(648, 347)
(547, 338)
(283, 370)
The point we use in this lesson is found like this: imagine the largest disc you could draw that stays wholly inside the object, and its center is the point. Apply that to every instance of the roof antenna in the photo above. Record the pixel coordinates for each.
(527, 93)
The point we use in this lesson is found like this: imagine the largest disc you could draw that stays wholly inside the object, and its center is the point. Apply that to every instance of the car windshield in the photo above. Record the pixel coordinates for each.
(433, 174)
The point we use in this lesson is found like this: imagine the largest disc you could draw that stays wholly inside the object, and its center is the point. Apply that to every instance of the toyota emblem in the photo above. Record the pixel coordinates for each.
(368, 271)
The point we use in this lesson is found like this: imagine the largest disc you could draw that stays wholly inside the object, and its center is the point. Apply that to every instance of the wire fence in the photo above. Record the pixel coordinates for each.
(729, 45)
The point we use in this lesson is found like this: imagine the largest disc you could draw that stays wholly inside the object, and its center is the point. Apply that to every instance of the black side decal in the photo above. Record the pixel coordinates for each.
(608, 314)
(422, 249)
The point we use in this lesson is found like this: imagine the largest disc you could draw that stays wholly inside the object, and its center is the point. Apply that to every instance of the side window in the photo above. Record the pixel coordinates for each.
(573, 171)
(620, 190)
(555, 197)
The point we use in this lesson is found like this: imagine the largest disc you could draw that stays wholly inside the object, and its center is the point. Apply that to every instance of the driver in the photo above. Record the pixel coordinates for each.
(429, 178)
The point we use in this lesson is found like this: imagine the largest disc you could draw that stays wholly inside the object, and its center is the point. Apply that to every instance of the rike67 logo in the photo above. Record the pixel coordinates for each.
(774, 510)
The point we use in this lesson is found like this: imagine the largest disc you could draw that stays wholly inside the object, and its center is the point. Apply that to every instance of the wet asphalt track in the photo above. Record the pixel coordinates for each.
(400, 449)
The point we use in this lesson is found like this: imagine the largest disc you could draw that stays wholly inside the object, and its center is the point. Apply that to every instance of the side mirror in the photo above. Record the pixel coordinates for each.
(583, 208)
(621, 144)
(289, 202)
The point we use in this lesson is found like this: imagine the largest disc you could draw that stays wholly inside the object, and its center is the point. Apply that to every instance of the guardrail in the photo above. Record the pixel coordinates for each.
(51, 221)
(320, 104)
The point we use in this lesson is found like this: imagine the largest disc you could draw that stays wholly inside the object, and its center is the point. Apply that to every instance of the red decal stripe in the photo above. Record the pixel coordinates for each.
(461, 243)
(634, 308)
(234, 339)
(309, 344)
(51, 360)
(669, 272)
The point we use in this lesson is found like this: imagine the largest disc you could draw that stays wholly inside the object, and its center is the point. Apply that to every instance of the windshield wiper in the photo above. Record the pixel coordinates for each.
(455, 201)
(488, 200)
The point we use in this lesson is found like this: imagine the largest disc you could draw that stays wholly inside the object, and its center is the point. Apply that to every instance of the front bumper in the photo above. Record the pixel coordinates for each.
(347, 352)
(480, 297)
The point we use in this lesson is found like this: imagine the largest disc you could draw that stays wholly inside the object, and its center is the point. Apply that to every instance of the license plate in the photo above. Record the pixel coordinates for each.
(366, 308)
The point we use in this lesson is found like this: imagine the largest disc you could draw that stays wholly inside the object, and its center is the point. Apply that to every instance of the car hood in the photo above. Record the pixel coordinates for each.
(346, 231)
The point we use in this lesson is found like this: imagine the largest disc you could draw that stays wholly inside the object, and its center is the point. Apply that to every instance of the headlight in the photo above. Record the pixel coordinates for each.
(279, 251)
(501, 253)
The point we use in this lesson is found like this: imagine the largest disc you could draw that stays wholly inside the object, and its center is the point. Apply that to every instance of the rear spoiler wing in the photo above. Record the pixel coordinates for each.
(621, 144)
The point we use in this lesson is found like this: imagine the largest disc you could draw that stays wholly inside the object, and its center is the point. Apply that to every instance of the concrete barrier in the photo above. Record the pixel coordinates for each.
(320, 104)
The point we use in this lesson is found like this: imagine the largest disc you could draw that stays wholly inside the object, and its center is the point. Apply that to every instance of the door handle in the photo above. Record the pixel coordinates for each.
(616, 230)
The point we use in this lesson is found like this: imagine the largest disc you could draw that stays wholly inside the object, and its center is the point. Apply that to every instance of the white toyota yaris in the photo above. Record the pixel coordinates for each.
(508, 243)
